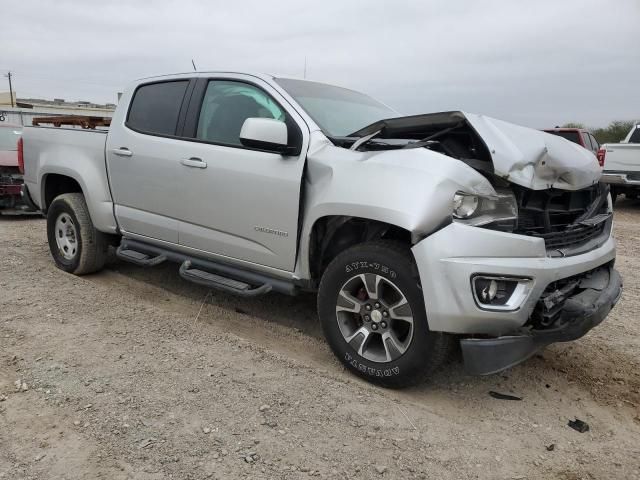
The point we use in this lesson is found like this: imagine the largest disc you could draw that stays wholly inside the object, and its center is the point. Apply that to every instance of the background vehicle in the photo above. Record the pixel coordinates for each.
(621, 162)
(415, 231)
(582, 137)
(10, 170)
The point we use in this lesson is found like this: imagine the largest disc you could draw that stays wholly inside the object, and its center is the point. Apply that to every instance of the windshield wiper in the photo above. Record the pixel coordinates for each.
(363, 140)
(430, 139)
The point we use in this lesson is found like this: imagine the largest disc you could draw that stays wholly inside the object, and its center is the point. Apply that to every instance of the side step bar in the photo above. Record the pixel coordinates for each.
(221, 276)
(225, 284)
(139, 258)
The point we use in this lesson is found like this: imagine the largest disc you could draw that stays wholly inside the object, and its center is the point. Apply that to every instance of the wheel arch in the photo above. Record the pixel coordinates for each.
(59, 181)
(332, 234)
(54, 184)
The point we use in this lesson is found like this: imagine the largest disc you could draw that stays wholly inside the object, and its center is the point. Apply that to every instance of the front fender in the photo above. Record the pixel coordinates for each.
(411, 188)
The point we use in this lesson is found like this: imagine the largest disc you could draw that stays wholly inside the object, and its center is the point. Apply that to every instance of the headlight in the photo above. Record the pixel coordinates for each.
(464, 205)
(480, 210)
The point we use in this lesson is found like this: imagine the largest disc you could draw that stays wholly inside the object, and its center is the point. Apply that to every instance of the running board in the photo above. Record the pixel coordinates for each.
(224, 271)
(218, 282)
(139, 258)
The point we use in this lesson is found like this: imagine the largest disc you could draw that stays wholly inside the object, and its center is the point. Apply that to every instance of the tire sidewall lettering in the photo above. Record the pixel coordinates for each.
(378, 267)
(371, 371)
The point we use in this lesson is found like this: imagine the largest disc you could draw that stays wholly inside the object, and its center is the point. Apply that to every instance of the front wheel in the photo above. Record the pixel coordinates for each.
(372, 312)
(76, 246)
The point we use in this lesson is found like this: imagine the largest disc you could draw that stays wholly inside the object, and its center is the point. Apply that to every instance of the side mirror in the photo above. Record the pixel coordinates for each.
(265, 134)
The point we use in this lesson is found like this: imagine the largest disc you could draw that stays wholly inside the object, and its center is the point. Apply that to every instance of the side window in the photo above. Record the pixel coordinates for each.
(585, 139)
(225, 107)
(155, 107)
(594, 143)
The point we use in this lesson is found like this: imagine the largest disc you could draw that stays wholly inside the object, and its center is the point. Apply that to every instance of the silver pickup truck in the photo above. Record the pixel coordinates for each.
(416, 232)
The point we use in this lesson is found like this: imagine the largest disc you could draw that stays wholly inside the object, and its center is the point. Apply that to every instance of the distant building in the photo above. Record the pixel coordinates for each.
(26, 109)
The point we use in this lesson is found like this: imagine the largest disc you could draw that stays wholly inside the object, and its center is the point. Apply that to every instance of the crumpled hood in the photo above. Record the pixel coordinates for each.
(524, 156)
(535, 159)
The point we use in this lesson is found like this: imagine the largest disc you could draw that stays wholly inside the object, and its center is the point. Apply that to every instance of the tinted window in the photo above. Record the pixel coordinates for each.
(155, 107)
(225, 107)
(571, 136)
(585, 139)
(635, 136)
(594, 143)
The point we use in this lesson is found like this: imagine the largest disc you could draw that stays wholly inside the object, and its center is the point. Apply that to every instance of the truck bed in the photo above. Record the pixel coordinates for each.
(49, 149)
(622, 157)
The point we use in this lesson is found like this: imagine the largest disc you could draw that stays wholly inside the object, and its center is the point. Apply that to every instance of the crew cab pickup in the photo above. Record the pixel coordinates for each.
(416, 232)
(621, 162)
(581, 136)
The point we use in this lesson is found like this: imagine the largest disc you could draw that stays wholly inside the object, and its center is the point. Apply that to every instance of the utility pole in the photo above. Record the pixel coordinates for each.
(8, 75)
(305, 67)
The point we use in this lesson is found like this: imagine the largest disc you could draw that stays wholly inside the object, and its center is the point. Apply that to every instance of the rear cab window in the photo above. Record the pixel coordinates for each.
(572, 136)
(155, 107)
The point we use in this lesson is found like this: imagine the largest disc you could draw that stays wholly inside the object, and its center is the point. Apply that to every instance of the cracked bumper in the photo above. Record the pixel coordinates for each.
(448, 259)
(580, 314)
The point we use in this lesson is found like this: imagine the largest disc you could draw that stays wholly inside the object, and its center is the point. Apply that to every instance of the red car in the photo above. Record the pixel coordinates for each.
(10, 170)
(582, 137)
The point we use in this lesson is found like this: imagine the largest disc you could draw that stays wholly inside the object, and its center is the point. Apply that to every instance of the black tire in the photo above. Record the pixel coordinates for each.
(90, 247)
(425, 351)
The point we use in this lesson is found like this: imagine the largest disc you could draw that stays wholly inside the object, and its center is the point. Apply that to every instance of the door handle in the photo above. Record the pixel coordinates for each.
(193, 162)
(122, 152)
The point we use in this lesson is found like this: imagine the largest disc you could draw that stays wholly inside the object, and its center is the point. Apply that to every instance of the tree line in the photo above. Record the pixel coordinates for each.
(615, 132)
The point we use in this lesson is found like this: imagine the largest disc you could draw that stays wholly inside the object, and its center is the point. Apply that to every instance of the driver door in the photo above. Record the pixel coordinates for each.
(241, 203)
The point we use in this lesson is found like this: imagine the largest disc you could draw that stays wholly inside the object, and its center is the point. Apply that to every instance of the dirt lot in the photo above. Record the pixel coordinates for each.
(130, 373)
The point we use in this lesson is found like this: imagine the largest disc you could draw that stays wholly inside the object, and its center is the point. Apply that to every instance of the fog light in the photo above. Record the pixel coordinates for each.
(500, 293)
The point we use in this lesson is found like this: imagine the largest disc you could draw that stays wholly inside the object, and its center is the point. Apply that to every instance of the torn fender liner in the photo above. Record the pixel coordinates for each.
(524, 156)
(483, 356)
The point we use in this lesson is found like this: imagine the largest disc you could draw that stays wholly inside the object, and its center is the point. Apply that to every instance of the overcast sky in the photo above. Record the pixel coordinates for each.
(538, 63)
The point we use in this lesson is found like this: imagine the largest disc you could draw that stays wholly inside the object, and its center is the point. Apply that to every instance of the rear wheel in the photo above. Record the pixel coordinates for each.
(373, 315)
(75, 244)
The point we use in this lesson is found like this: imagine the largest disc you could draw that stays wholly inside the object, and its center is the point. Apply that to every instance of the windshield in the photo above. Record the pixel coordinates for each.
(9, 138)
(338, 111)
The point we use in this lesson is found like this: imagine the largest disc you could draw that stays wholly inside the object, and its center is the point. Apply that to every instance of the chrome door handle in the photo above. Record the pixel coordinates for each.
(193, 162)
(122, 152)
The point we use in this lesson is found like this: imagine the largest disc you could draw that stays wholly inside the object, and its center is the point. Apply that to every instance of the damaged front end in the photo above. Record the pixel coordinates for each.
(523, 156)
(566, 311)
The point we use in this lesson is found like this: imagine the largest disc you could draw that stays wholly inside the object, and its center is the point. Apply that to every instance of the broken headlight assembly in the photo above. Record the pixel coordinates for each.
(500, 209)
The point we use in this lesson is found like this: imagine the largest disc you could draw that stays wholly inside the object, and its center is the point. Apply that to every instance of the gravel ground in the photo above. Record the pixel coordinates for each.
(134, 373)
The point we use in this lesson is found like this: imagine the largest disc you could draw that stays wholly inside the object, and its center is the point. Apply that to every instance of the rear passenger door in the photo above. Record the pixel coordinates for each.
(143, 154)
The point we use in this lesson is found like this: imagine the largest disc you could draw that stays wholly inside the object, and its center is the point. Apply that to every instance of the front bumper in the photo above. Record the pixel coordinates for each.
(448, 259)
(580, 314)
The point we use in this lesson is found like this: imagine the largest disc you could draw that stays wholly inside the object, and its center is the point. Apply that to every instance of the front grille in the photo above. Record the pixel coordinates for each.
(573, 235)
(562, 217)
